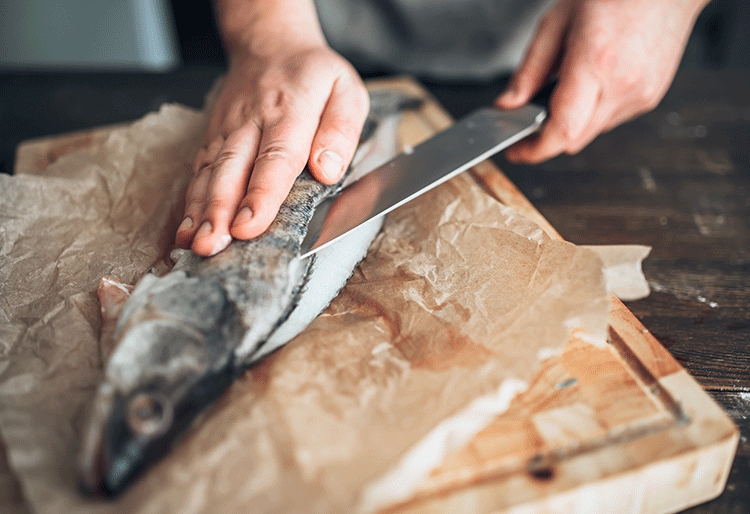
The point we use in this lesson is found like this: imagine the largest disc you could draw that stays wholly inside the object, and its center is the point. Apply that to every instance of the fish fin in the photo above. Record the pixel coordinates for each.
(184, 260)
(112, 296)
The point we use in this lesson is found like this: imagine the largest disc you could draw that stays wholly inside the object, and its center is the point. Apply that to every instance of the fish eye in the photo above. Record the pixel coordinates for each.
(149, 415)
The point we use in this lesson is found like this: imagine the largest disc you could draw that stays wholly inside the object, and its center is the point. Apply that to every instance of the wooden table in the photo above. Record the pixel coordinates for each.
(677, 179)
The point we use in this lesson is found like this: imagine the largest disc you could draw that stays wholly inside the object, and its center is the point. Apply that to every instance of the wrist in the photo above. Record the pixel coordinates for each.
(267, 29)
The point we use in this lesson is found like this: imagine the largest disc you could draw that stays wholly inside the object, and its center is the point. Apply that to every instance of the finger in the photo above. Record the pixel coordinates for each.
(336, 140)
(598, 124)
(195, 197)
(283, 153)
(215, 121)
(609, 113)
(194, 200)
(541, 59)
(200, 157)
(605, 119)
(572, 106)
(235, 117)
(226, 187)
(622, 115)
(208, 154)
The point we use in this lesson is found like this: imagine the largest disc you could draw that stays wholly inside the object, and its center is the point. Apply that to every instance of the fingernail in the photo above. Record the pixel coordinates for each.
(222, 243)
(205, 230)
(331, 164)
(186, 224)
(243, 216)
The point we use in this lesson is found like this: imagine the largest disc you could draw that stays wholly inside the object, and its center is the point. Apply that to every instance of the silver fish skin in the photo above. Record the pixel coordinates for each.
(183, 338)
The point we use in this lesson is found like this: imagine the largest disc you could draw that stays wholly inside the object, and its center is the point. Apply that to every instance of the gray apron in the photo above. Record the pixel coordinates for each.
(441, 39)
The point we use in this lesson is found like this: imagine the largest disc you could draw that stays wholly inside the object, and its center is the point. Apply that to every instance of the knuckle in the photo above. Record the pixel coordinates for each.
(361, 98)
(565, 130)
(573, 149)
(215, 144)
(273, 100)
(327, 61)
(215, 206)
(223, 158)
(247, 112)
(278, 98)
(282, 107)
(269, 81)
(606, 59)
(194, 205)
(631, 85)
(262, 196)
(274, 152)
(202, 168)
(649, 96)
(342, 126)
(238, 107)
(317, 62)
(258, 191)
(253, 119)
(599, 36)
(650, 104)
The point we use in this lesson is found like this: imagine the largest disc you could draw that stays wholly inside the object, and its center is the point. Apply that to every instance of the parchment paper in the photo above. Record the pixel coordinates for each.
(441, 325)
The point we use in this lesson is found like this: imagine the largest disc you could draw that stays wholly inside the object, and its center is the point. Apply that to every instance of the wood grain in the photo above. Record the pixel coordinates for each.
(679, 180)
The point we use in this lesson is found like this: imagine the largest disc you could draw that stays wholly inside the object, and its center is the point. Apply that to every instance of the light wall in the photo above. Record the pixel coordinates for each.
(90, 34)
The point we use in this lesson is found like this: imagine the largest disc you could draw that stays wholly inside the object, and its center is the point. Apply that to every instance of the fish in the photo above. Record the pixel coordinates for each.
(181, 339)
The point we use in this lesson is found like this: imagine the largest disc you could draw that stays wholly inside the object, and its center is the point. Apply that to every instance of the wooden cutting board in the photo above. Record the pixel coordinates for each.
(617, 429)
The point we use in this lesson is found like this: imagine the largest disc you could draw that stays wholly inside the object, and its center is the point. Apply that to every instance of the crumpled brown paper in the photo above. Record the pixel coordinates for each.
(439, 327)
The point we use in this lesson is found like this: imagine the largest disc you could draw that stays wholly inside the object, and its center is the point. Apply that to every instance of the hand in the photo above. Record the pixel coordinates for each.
(615, 60)
(273, 116)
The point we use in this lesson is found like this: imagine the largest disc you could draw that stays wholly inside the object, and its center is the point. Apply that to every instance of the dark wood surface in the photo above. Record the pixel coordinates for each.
(677, 179)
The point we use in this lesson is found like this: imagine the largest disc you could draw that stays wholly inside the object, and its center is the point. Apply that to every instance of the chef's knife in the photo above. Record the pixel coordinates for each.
(466, 143)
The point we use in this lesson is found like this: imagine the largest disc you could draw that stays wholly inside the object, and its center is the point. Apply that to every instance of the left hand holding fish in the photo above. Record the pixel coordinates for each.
(288, 100)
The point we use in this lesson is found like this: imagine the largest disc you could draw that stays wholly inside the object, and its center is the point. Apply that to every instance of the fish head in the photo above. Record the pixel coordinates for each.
(163, 373)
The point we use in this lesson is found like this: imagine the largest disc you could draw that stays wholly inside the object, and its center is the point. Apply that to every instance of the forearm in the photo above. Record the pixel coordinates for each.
(262, 28)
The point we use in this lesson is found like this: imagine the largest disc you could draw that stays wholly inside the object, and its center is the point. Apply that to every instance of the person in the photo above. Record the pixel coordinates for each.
(289, 100)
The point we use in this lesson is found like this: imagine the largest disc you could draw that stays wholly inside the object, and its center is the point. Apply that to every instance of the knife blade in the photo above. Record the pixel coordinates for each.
(466, 143)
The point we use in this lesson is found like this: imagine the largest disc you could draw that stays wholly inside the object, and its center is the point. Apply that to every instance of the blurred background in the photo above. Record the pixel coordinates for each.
(159, 35)
(60, 60)
(80, 34)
